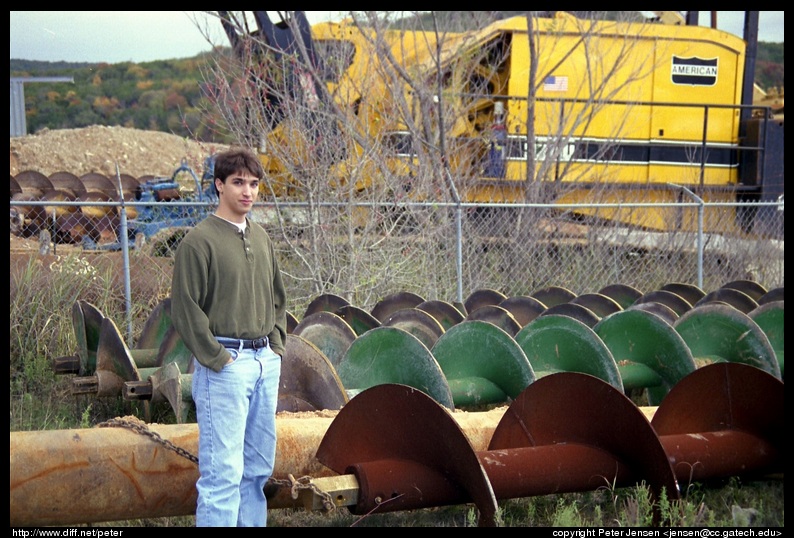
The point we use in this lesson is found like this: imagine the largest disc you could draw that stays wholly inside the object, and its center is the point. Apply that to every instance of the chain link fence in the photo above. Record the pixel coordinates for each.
(365, 252)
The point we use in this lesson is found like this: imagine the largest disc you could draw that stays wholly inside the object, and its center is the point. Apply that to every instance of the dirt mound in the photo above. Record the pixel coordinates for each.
(99, 149)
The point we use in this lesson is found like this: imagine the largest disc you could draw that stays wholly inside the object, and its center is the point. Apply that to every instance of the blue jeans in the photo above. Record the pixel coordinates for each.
(236, 415)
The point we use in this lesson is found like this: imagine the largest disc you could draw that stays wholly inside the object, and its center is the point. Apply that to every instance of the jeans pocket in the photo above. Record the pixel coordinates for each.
(234, 353)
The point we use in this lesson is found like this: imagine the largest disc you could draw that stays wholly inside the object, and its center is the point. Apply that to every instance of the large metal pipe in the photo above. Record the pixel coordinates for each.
(65, 477)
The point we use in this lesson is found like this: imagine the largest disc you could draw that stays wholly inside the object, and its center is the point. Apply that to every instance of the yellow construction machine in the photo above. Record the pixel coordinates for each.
(641, 112)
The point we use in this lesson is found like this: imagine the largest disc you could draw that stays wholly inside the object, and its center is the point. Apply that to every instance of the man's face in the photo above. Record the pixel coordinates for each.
(238, 194)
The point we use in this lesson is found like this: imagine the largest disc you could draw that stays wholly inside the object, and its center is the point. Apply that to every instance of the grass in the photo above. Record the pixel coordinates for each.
(729, 503)
(43, 290)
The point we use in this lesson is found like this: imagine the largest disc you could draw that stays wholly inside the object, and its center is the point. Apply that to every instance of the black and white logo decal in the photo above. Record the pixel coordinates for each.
(694, 71)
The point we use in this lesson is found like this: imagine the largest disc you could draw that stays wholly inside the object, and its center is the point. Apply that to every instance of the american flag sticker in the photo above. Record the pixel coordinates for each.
(555, 84)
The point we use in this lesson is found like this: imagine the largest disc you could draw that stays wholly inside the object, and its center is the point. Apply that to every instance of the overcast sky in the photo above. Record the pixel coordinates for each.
(144, 36)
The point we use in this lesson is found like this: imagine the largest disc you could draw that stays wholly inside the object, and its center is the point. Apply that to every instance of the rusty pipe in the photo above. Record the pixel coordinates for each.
(564, 467)
(65, 477)
(522, 472)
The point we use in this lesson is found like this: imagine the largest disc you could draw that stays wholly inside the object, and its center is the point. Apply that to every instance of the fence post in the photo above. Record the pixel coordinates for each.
(458, 231)
(701, 209)
(125, 250)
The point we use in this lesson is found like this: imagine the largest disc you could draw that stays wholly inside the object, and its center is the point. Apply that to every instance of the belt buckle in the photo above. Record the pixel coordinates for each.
(259, 343)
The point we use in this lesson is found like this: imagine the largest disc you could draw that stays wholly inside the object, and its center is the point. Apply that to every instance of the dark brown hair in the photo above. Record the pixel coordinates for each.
(236, 160)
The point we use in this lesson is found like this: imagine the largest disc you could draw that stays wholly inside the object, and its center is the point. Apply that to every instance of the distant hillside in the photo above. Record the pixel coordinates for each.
(46, 68)
(162, 96)
(769, 65)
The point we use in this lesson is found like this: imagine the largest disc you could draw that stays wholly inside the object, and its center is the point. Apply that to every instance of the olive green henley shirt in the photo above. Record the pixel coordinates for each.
(227, 283)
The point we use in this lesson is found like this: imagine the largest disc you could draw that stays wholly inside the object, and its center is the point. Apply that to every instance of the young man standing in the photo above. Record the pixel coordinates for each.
(228, 304)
